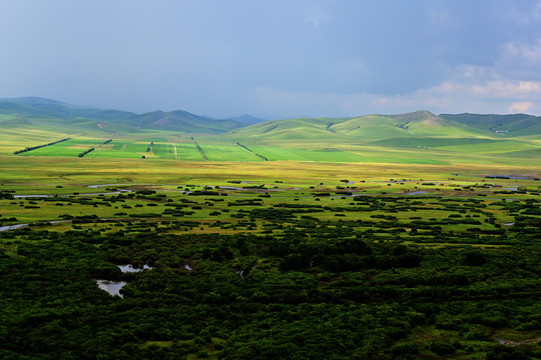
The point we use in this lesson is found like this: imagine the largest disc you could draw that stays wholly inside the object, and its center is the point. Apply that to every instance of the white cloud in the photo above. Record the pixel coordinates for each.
(449, 97)
(489, 83)
(499, 89)
(505, 89)
(520, 107)
(522, 52)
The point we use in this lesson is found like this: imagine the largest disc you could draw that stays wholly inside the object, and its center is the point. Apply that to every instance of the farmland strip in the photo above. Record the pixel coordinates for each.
(256, 154)
(39, 146)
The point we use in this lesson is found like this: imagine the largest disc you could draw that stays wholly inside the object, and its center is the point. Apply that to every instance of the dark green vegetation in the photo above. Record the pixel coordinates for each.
(408, 236)
(268, 272)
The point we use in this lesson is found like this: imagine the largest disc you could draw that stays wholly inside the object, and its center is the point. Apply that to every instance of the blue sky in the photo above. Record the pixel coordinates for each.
(276, 59)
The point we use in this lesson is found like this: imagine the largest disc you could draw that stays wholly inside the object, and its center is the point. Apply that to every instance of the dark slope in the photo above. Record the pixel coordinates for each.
(35, 106)
(181, 121)
(247, 120)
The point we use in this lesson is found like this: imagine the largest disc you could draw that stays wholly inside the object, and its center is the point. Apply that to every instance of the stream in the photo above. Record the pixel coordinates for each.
(18, 226)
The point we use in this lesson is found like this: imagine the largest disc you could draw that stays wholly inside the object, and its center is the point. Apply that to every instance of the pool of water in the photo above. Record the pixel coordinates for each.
(417, 193)
(129, 268)
(12, 227)
(112, 287)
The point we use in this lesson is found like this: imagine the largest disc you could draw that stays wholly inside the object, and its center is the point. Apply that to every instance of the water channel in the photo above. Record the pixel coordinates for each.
(18, 226)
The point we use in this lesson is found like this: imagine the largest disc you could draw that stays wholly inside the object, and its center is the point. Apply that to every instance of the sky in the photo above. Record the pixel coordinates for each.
(275, 59)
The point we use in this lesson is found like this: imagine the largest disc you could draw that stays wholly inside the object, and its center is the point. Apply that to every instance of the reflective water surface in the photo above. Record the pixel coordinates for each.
(112, 287)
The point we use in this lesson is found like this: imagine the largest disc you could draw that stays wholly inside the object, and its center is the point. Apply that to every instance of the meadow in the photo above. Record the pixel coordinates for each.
(435, 151)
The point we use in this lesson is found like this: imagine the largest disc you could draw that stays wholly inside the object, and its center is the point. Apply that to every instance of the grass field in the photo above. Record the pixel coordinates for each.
(489, 147)
(449, 151)
(165, 151)
(275, 153)
(188, 152)
(228, 153)
(71, 147)
(48, 172)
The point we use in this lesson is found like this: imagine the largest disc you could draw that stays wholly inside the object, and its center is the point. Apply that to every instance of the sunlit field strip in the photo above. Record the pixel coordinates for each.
(228, 153)
(493, 147)
(188, 152)
(71, 147)
(164, 151)
(274, 153)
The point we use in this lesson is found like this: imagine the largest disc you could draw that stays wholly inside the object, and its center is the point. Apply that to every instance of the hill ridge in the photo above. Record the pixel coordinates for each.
(366, 127)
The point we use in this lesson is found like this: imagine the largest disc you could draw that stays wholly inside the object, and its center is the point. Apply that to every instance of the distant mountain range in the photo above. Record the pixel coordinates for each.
(179, 120)
(28, 112)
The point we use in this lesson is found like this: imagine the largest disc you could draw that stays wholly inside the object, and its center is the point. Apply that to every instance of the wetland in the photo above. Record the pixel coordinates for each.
(309, 271)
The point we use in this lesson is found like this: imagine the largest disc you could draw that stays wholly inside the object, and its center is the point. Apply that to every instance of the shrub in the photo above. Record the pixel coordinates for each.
(441, 348)
(405, 349)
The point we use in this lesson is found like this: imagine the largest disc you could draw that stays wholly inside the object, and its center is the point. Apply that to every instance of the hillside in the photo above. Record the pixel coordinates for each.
(506, 125)
(364, 129)
(180, 121)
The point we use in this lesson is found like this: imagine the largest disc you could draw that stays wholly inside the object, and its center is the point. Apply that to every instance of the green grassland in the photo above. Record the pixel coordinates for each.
(407, 151)
(228, 153)
(188, 152)
(528, 154)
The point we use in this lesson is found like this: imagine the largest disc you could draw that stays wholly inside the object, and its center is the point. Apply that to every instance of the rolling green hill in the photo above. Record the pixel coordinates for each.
(291, 129)
(364, 129)
(417, 137)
